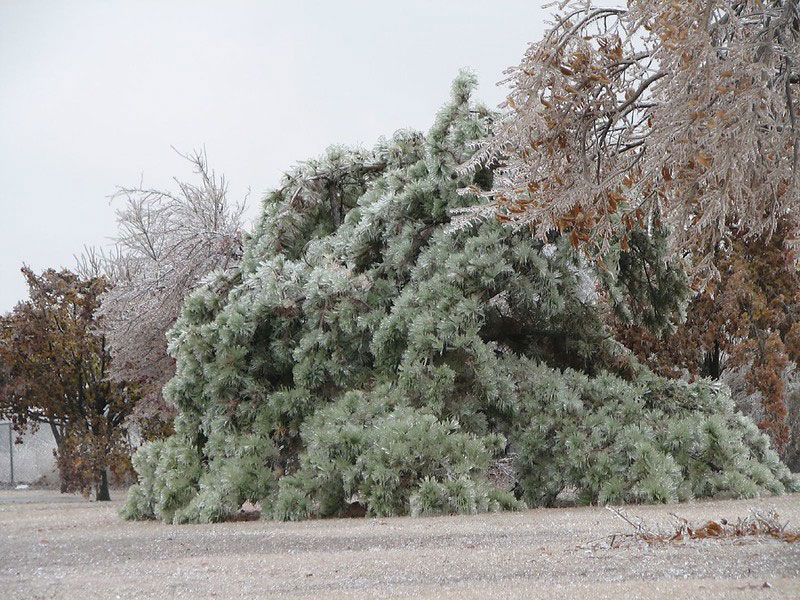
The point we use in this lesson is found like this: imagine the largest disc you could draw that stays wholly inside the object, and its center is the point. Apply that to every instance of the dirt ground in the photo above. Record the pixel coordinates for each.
(54, 546)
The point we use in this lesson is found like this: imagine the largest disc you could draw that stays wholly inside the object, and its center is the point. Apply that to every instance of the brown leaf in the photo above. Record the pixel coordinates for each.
(704, 159)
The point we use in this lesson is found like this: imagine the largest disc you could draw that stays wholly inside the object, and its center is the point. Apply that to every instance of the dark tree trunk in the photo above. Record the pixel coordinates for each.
(58, 436)
(102, 488)
(713, 364)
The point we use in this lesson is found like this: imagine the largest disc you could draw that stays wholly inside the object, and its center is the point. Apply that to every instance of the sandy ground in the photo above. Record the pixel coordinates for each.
(54, 546)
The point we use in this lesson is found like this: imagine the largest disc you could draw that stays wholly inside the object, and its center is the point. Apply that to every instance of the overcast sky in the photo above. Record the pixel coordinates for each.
(94, 94)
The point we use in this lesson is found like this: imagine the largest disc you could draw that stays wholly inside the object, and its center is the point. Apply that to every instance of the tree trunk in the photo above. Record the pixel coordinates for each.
(102, 488)
(58, 436)
(713, 364)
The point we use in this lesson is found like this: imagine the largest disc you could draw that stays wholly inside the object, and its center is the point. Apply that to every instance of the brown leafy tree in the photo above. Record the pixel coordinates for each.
(54, 368)
(743, 328)
(681, 113)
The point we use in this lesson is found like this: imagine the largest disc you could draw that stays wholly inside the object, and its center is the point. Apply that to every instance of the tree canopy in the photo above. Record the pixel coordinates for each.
(54, 369)
(366, 352)
(676, 113)
(167, 241)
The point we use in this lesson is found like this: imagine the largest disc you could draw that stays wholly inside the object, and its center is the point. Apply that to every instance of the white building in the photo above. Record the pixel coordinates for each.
(33, 461)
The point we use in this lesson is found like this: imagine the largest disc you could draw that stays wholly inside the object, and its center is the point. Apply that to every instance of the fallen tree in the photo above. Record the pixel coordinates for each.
(366, 352)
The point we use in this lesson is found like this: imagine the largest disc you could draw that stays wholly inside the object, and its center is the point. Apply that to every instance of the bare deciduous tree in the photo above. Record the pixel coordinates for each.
(166, 242)
(682, 112)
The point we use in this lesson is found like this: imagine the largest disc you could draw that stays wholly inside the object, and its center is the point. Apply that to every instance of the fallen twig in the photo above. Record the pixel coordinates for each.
(755, 524)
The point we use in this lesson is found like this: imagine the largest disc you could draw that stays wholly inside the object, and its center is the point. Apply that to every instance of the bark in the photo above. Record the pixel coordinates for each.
(713, 364)
(102, 488)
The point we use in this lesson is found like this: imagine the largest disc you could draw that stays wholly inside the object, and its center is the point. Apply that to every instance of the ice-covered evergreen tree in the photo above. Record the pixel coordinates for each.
(366, 352)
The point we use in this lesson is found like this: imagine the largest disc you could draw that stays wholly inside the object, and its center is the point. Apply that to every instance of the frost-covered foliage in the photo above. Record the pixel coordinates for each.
(684, 110)
(645, 440)
(751, 403)
(743, 329)
(363, 353)
(391, 457)
(166, 242)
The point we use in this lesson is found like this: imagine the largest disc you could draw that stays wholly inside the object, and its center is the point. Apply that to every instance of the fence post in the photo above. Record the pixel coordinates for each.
(11, 452)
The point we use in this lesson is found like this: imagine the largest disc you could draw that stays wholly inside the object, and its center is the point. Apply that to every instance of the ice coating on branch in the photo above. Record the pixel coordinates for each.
(681, 113)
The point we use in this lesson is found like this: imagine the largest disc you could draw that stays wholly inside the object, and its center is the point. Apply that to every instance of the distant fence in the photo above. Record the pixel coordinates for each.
(6, 453)
(29, 462)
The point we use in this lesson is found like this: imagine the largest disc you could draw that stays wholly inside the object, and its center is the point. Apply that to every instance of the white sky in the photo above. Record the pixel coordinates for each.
(93, 94)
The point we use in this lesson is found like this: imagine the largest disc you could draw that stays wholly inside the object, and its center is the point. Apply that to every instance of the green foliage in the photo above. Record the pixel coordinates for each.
(168, 474)
(649, 290)
(650, 440)
(367, 448)
(366, 352)
(177, 485)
